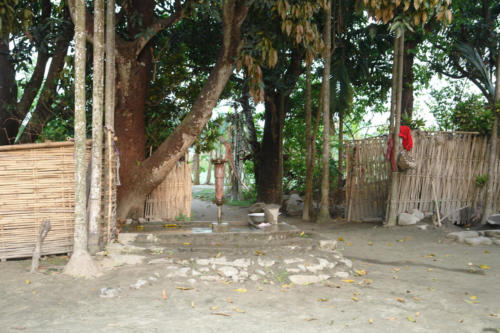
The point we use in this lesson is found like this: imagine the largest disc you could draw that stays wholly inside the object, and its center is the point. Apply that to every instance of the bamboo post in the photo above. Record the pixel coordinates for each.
(437, 204)
(110, 182)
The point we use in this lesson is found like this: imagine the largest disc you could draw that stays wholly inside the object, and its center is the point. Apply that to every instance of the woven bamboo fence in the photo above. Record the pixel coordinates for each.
(172, 198)
(367, 178)
(37, 184)
(451, 161)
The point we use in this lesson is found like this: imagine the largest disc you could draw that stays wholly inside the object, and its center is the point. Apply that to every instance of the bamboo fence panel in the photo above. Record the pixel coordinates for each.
(172, 197)
(367, 178)
(37, 184)
(450, 160)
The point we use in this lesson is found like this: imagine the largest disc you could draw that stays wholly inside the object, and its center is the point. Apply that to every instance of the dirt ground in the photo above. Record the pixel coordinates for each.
(411, 280)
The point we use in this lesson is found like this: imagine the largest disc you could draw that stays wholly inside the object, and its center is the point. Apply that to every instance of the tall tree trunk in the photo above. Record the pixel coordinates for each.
(80, 263)
(341, 152)
(391, 216)
(408, 76)
(208, 180)
(306, 215)
(268, 187)
(141, 178)
(489, 206)
(97, 116)
(196, 168)
(324, 212)
(252, 133)
(8, 94)
(109, 117)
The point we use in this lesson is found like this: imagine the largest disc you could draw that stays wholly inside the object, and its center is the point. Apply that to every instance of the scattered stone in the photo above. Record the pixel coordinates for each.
(294, 205)
(293, 270)
(257, 207)
(128, 221)
(423, 226)
(228, 271)
(346, 262)
(496, 241)
(210, 278)
(308, 279)
(195, 273)
(407, 219)
(254, 277)
(192, 281)
(341, 275)
(328, 245)
(292, 261)
(153, 278)
(478, 241)
(302, 268)
(492, 233)
(242, 263)
(203, 262)
(160, 261)
(417, 213)
(265, 262)
(109, 292)
(181, 272)
(141, 220)
(204, 269)
(140, 283)
(459, 236)
(260, 272)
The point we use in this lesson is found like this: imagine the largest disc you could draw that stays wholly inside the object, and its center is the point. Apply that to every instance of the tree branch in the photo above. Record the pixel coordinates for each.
(160, 25)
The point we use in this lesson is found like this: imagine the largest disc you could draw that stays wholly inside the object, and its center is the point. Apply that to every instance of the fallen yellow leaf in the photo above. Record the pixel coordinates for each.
(361, 272)
(391, 318)
(28, 282)
(221, 314)
(484, 267)
(259, 253)
(370, 243)
(184, 288)
(348, 281)
(238, 310)
(400, 300)
(322, 299)
(411, 319)
(240, 290)
(163, 294)
(311, 319)
(213, 308)
(348, 243)
(187, 243)
(473, 297)
(140, 227)
(355, 298)
(340, 239)
(396, 269)
(192, 304)
(218, 255)
(370, 320)
(229, 300)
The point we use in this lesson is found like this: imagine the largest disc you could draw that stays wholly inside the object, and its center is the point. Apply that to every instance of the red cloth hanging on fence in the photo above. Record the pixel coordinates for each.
(405, 133)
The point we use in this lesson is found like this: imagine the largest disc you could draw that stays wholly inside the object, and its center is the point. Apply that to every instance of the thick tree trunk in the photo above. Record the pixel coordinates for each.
(324, 211)
(8, 93)
(80, 263)
(268, 187)
(489, 205)
(306, 215)
(196, 168)
(140, 178)
(252, 133)
(97, 136)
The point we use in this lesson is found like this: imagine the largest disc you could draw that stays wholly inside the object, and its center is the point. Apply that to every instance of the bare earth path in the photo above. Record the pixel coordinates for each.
(416, 281)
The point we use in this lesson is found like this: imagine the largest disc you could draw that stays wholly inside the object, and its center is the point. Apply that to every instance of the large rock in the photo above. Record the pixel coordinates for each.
(294, 205)
(257, 207)
(459, 236)
(418, 214)
(228, 271)
(407, 219)
(478, 241)
(328, 244)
